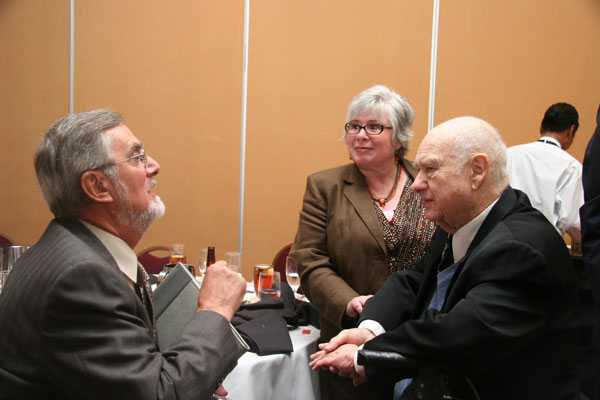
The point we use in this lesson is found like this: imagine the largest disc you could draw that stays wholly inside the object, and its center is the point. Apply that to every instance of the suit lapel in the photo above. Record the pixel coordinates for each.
(83, 233)
(79, 230)
(357, 193)
(505, 204)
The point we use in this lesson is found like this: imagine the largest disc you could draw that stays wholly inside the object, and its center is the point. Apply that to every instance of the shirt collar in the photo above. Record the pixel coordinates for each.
(551, 140)
(123, 254)
(462, 238)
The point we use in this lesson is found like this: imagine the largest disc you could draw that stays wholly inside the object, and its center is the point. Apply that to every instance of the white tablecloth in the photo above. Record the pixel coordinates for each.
(278, 376)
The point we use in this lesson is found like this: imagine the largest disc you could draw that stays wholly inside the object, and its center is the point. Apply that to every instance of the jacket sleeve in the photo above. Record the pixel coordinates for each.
(97, 345)
(395, 302)
(319, 277)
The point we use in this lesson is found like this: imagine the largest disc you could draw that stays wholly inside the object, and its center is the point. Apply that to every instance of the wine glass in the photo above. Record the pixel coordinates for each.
(2, 268)
(291, 273)
(8, 257)
(201, 270)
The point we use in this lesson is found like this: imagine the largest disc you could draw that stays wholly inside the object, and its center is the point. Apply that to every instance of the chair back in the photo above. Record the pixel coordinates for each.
(4, 241)
(279, 259)
(153, 258)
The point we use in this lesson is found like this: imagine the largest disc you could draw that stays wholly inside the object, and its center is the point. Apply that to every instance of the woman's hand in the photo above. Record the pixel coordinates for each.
(355, 306)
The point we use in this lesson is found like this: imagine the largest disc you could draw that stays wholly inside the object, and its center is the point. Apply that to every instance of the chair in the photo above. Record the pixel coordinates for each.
(279, 259)
(152, 262)
(4, 241)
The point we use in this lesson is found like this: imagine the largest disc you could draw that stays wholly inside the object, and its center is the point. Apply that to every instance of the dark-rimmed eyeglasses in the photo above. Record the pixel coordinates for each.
(372, 128)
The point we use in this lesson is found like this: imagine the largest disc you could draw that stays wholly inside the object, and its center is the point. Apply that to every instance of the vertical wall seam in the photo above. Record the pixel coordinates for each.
(71, 88)
(246, 39)
(433, 63)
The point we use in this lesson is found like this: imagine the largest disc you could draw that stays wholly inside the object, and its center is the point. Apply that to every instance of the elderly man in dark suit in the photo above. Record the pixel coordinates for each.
(76, 317)
(489, 314)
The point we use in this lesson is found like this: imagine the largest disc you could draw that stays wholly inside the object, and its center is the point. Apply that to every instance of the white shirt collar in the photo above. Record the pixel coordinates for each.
(551, 140)
(123, 254)
(462, 238)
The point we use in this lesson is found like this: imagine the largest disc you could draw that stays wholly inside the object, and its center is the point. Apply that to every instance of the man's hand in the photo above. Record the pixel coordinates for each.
(355, 306)
(220, 393)
(355, 336)
(222, 290)
(341, 362)
(575, 235)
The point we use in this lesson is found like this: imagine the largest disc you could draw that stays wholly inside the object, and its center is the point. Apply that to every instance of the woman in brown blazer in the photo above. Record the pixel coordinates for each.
(360, 221)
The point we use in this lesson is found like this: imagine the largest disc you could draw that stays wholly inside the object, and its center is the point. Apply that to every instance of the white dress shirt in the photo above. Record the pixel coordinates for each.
(551, 178)
(123, 254)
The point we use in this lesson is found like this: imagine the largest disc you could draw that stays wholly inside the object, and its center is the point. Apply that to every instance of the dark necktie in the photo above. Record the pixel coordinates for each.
(447, 255)
(142, 289)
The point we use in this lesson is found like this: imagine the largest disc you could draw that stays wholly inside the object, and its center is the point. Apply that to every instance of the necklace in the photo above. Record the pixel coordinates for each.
(383, 200)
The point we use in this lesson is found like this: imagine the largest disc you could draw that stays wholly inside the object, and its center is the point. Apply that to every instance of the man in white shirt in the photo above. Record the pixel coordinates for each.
(549, 175)
(76, 317)
(486, 314)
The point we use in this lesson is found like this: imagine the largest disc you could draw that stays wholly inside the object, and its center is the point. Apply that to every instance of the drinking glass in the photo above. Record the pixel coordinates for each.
(269, 285)
(177, 254)
(291, 273)
(201, 270)
(233, 261)
(2, 268)
(8, 257)
(258, 268)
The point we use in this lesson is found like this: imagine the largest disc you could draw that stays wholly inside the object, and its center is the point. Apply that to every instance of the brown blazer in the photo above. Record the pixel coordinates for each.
(339, 245)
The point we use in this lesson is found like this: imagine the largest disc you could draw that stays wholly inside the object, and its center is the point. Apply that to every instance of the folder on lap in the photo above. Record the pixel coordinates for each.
(175, 302)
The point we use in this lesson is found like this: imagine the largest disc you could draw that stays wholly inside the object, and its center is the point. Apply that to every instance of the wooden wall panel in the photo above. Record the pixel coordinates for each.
(33, 83)
(307, 60)
(174, 71)
(507, 61)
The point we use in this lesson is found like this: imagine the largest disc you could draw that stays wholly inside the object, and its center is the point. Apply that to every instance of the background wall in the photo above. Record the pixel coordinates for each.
(175, 72)
(33, 93)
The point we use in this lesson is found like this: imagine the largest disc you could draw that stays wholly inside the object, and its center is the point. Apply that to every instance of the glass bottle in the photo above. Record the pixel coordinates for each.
(210, 256)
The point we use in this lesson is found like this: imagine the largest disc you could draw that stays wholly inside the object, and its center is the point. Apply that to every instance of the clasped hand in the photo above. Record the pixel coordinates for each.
(338, 354)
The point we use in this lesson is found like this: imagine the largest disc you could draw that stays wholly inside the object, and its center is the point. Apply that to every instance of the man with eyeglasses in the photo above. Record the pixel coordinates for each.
(76, 316)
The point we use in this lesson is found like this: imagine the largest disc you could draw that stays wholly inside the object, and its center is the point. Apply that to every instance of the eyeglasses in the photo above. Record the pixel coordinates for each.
(140, 158)
(353, 128)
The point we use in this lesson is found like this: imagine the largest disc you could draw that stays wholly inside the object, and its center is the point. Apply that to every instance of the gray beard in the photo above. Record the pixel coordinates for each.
(139, 221)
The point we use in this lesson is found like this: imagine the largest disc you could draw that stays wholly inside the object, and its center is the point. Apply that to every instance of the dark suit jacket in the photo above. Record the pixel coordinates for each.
(339, 245)
(506, 322)
(72, 327)
(589, 213)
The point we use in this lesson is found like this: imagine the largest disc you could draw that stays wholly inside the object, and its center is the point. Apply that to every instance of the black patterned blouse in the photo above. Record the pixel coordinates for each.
(408, 233)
